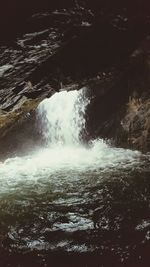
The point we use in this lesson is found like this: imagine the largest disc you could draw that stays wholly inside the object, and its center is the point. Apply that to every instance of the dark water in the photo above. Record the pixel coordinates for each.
(71, 216)
(70, 204)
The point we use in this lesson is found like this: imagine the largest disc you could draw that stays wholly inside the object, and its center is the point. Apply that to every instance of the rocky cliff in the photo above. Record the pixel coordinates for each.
(104, 45)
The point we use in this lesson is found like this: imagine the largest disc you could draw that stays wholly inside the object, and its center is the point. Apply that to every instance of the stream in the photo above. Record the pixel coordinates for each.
(69, 203)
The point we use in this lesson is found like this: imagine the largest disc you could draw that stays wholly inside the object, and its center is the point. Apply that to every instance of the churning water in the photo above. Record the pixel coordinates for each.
(72, 197)
(62, 123)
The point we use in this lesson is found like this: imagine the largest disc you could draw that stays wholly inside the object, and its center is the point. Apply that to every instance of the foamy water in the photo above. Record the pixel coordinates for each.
(98, 156)
(62, 117)
(54, 199)
(62, 120)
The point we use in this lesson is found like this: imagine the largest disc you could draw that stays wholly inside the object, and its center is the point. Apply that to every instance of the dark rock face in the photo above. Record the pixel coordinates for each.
(104, 45)
(120, 108)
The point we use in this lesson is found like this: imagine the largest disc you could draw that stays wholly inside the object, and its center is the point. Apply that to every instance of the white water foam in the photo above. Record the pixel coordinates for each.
(63, 117)
(63, 120)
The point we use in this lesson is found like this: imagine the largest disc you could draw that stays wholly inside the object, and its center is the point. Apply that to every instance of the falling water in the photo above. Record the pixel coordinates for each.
(63, 117)
(47, 197)
(62, 124)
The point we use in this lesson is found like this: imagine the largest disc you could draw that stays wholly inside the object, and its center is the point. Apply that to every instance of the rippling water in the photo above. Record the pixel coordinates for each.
(71, 204)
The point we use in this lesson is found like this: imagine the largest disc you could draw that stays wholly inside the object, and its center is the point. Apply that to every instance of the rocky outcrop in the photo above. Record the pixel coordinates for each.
(102, 45)
(120, 109)
(135, 124)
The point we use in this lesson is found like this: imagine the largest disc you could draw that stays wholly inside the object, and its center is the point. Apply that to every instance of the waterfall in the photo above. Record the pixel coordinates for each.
(62, 117)
(62, 123)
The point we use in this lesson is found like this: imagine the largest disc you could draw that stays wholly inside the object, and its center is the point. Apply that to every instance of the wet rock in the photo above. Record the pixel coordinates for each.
(137, 124)
(119, 109)
(73, 44)
(10, 102)
(4, 68)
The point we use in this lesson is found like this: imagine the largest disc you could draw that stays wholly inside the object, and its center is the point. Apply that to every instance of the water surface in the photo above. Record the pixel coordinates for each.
(74, 204)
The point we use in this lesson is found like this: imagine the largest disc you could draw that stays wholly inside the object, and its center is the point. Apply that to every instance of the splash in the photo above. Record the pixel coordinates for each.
(62, 121)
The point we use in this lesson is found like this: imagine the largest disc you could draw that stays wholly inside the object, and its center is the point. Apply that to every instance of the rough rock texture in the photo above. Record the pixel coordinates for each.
(104, 45)
(120, 109)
